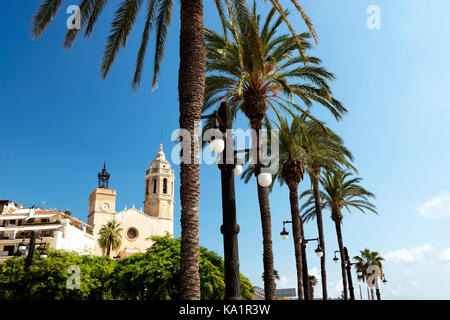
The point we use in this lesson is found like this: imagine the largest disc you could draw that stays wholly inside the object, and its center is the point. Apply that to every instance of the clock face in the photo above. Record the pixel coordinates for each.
(105, 206)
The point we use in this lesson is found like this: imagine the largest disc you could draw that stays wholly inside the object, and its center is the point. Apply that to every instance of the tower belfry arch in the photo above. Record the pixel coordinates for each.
(159, 188)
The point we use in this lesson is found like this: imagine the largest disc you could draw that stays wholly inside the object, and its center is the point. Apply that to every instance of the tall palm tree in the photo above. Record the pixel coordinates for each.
(190, 89)
(327, 151)
(191, 83)
(275, 272)
(341, 190)
(308, 146)
(364, 260)
(110, 237)
(255, 78)
(312, 283)
(293, 139)
(314, 146)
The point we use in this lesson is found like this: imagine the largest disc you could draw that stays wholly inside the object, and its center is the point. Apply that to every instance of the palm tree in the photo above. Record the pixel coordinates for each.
(341, 190)
(307, 146)
(191, 83)
(255, 78)
(275, 272)
(110, 237)
(292, 141)
(366, 259)
(312, 283)
(191, 88)
(326, 151)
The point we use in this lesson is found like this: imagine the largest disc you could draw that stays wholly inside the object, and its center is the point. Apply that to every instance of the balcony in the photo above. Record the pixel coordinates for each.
(39, 223)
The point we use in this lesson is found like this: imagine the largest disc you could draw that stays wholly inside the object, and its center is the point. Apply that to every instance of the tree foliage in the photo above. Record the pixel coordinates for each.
(150, 275)
(46, 279)
(153, 275)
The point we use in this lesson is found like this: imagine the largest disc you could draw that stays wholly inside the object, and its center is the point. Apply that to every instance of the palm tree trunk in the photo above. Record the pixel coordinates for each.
(266, 224)
(318, 205)
(372, 293)
(311, 292)
(191, 85)
(108, 251)
(297, 236)
(337, 223)
(269, 276)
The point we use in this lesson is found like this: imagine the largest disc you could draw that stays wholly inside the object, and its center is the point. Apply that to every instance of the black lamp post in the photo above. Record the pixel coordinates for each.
(305, 279)
(229, 228)
(31, 249)
(348, 267)
(377, 289)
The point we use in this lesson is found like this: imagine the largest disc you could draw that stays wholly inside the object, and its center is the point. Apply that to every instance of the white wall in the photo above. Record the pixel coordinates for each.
(73, 239)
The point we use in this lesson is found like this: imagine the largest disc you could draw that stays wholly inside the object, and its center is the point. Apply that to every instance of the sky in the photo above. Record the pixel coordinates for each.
(60, 122)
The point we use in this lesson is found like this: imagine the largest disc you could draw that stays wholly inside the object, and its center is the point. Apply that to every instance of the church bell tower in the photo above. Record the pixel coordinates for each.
(159, 188)
(102, 200)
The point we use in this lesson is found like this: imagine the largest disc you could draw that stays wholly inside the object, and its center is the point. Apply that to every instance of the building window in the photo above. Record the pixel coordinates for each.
(154, 185)
(146, 186)
(132, 234)
(165, 185)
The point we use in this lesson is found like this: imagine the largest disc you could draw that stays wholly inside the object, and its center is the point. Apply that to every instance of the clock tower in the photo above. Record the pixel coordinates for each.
(102, 200)
(137, 225)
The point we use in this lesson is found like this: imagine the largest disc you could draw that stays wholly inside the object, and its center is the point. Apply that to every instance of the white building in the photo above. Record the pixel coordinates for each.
(52, 227)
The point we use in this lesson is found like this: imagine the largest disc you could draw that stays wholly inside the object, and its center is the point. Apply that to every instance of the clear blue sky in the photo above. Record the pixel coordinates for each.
(59, 122)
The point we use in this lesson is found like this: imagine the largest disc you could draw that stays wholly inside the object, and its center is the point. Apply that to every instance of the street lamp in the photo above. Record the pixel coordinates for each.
(304, 243)
(229, 228)
(284, 234)
(237, 170)
(217, 145)
(319, 250)
(348, 266)
(44, 254)
(265, 179)
(305, 281)
(31, 247)
(336, 259)
(22, 247)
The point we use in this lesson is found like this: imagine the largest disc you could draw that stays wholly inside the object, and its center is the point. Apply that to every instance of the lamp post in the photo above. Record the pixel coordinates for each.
(348, 267)
(359, 275)
(377, 289)
(284, 235)
(229, 228)
(31, 249)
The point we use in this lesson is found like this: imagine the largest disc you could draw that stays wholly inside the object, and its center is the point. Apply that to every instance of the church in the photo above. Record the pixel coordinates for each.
(137, 225)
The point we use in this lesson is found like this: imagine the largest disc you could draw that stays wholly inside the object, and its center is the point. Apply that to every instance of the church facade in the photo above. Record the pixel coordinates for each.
(137, 225)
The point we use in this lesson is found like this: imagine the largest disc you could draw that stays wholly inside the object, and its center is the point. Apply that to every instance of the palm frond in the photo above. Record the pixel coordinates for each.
(45, 13)
(123, 21)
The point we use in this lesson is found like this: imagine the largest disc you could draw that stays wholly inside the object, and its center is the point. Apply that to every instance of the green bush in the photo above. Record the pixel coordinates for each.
(152, 275)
